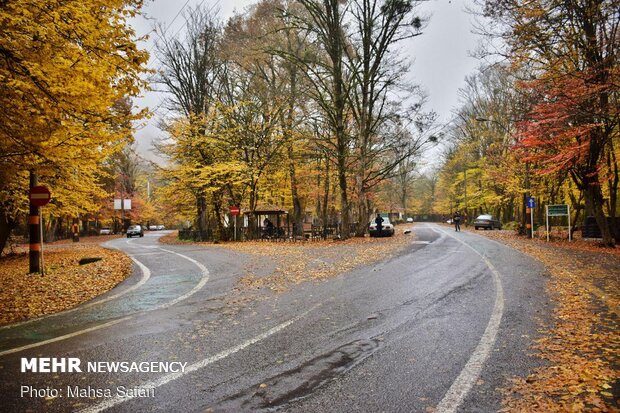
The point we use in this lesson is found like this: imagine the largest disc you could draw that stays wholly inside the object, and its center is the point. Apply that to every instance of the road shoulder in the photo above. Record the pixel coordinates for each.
(578, 346)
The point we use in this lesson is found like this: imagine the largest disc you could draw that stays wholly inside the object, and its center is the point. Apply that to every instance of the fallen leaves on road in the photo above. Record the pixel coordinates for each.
(65, 284)
(582, 346)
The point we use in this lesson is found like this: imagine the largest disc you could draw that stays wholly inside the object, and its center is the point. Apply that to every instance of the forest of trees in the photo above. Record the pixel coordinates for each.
(299, 104)
(543, 120)
(307, 105)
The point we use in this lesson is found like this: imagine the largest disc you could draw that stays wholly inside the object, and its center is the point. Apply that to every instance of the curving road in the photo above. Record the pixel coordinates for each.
(441, 326)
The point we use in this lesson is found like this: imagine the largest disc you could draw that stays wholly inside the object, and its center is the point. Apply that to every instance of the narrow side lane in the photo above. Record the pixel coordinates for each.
(175, 278)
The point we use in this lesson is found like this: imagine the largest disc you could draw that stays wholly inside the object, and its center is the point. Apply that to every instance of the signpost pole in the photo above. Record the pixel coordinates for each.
(531, 204)
(234, 211)
(547, 217)
(570, 237)
(38, 196)
(41, 235)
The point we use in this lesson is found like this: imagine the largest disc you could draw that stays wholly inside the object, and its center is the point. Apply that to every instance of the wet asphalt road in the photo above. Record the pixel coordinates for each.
(443, 324)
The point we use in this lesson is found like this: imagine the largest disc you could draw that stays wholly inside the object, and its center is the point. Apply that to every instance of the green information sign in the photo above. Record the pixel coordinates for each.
(557, 210)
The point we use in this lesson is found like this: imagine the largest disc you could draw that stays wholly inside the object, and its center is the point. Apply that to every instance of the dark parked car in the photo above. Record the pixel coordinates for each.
(487, 222)
(387, 229)
(135, 231)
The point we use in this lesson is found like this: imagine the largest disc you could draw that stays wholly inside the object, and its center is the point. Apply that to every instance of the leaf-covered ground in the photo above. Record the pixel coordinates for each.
(65, 284)
(278, 265)
(582, 345)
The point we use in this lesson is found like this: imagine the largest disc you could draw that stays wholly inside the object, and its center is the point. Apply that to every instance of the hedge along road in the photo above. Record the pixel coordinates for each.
(441, 325)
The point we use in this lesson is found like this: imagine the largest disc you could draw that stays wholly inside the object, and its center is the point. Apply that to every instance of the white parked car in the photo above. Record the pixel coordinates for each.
(105, 231)
(387, 228)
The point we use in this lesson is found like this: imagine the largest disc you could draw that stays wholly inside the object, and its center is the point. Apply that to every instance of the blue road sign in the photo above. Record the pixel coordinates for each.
(531, 203)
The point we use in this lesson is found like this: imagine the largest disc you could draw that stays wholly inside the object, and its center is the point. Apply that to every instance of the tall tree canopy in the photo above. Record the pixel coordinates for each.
(64, 66)
(302, 105)
(571, 50)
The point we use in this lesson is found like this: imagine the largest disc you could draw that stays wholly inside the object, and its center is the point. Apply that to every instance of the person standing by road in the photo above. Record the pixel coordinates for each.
(456, 219)
(379, 221)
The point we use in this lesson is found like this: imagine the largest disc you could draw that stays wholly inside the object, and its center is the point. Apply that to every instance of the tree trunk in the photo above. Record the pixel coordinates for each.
(297, 210)
(200, 212)
(363, 214)
(613, 183)
(288, 124)
(324, 213)
(50, 233)
(218, 228)
(594, 202)
(345, 222)
(252, 224)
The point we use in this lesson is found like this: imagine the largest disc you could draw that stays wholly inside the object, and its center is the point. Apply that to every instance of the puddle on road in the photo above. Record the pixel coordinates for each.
(300, 382)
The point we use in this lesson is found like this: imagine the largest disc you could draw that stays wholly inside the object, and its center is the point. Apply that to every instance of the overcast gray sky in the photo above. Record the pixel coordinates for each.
(441, 54)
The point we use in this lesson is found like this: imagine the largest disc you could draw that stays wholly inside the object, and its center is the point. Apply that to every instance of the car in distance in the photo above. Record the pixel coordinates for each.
(487, 221)
(105, 231)
(161, 227)
(135, 231)
(387, 229)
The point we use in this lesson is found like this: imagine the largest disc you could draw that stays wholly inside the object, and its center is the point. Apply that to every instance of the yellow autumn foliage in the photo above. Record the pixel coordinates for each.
(65, 65)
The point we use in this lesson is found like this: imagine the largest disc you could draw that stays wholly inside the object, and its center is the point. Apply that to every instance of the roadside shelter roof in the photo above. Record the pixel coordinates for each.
(266, 209)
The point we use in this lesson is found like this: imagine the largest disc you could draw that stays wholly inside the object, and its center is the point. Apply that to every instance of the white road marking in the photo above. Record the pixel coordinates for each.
(153, 384)
(201, 283)
(470, 373)
(144, 254)
(203, 280)
(60, 338)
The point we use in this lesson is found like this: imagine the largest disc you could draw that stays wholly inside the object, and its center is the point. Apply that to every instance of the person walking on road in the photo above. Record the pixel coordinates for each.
(456, 219)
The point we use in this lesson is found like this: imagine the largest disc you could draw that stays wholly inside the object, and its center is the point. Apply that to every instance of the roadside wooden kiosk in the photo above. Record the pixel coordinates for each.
(277, 215)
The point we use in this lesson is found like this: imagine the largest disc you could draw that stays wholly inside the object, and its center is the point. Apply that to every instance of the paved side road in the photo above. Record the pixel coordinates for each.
(440, 326)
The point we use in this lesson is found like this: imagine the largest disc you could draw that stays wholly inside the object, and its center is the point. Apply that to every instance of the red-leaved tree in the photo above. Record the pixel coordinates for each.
(570, 129)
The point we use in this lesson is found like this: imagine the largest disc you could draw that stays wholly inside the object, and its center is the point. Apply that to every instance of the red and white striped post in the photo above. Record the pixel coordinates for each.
(39, 196)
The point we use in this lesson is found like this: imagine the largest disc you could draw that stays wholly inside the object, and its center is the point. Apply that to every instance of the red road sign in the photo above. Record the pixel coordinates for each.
(39, 195)
(234, 210)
